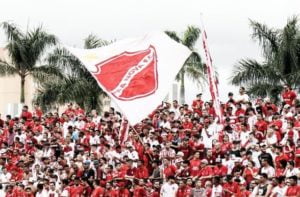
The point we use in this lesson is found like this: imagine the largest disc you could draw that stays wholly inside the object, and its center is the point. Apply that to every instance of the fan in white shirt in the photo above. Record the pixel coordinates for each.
(291, 170)
(271, 137)
(267, 169)
(244, 134)
(242, 97)
(169, 188)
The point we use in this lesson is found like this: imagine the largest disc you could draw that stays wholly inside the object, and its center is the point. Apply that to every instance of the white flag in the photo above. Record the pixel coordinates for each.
(136, 73)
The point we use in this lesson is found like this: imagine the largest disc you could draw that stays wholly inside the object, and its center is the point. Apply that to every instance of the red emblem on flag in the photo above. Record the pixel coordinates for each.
(129, 75)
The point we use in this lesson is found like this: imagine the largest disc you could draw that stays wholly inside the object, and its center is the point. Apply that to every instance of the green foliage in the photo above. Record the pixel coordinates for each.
(77, 86)
(281, 64)
(193, 67)
(25, 51)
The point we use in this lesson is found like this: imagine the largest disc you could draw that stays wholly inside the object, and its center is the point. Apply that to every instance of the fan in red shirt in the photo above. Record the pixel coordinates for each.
(288, 95)
(219, 169)
(195, 165)
(293, 189)
(239, 110)
(261, 124)
(197, 105)
(230, 187)
(141, 172)
(297, 154)
(169, 169)
(205, 172)
(139, 190)
(187, 124)
(37, 111)
(77, 189)
(70, 111)
(26, 114)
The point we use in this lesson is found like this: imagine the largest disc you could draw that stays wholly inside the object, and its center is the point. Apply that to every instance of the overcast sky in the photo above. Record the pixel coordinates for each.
(226, 23)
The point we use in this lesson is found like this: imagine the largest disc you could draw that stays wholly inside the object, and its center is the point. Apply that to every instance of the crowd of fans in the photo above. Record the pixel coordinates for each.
(177, 151)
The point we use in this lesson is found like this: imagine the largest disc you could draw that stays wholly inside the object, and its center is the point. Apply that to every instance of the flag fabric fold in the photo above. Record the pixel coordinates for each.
(212, 79)
(136, 73)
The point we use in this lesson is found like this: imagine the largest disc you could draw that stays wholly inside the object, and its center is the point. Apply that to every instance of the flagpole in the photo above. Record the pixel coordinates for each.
(213, 87)
(132, 127)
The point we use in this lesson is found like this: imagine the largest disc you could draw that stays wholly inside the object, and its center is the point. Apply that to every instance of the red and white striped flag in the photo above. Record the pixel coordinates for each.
(124, 129)
(213, 81)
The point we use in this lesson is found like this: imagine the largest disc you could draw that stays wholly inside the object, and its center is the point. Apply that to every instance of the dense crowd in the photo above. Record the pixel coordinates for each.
(178, 150)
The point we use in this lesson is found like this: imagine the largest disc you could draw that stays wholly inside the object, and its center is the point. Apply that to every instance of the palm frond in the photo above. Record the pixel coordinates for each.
(12, 32)
(92, 41)
(7, 69)
(173, 35)
(37, 42)
(190, 37)
(251, 72)
(268, 38)
(44, 72)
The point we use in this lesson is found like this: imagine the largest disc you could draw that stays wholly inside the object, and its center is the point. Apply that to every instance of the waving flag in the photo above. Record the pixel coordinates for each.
(136, 73)
(212, 80)
(124, 129)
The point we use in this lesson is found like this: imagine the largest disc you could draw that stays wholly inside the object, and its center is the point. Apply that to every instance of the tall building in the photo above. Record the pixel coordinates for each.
(10, 89)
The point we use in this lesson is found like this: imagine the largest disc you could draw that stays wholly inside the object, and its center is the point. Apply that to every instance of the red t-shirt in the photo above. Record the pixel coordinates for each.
(195, 167)
(180, 192)
(289, 96)
(27, 115)
(141, 172)
(220, 171)
(233, 187)
(261, 125)
(188, 190)
(76, 190)
(170, 171)
(292, 191)
(297, 159)
(197, 106)
(139, 191)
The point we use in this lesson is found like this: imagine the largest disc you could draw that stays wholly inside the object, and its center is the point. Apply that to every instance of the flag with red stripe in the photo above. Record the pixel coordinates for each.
(212, 80)
(124, 129)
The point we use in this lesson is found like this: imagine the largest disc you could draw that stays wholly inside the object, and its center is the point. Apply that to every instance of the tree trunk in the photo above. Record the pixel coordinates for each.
(182, 89)
(22, 99)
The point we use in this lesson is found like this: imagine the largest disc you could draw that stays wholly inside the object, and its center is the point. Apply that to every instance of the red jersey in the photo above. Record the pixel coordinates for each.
(139, 191)
(195, 167)
(297, 159)
(289, 97)
(180, 192)
(141, 172)
(27, 115)
(170, 170)
(232, 187)
(76, 190)
(124, 193)
(197, 106)
(261, 125)
(292, 191)
(220, 171)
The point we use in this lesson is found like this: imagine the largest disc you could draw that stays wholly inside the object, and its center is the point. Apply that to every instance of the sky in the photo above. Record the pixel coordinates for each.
(226, 23)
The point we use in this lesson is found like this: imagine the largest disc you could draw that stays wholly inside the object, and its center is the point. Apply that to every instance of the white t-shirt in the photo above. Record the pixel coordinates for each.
(217, 191)
(279, 191)
(293, 172)
(243, 98)
(244, 136)
(168, 190)
(270, 171)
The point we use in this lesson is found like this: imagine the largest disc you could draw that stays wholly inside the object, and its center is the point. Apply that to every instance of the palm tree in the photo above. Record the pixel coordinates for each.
(193, 68)
(281, 64)
(78, 85)
(25, 50)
